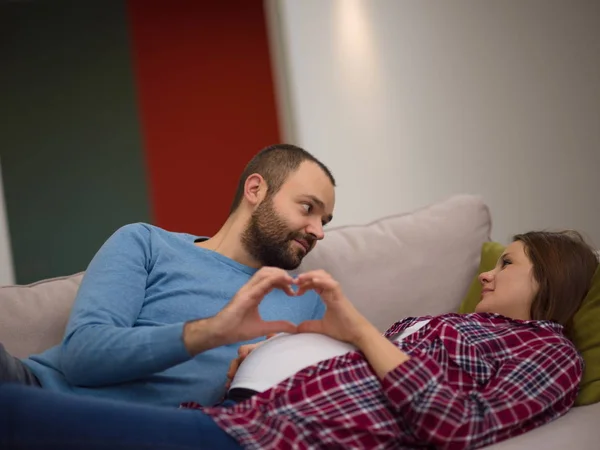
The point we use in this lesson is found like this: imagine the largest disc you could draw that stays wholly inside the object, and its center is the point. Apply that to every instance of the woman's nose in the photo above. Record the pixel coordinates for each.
(486, 277)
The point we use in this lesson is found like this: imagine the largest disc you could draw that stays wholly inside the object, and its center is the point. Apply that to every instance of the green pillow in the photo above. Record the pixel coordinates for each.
(586, 332)
(586, 336)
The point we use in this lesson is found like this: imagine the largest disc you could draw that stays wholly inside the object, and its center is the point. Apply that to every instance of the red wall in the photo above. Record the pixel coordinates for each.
(206, 103)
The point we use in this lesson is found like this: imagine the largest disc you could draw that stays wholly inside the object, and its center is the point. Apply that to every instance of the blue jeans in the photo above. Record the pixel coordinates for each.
(32, 418)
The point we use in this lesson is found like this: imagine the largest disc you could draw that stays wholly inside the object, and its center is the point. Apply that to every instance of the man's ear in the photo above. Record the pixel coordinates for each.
(255, 189)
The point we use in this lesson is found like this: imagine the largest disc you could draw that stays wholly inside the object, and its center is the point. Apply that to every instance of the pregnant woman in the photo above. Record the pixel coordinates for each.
(451, 381)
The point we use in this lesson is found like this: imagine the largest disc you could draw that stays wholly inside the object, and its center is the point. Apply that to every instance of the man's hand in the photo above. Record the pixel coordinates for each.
(341, 321)
(243, 352)
(240, 320)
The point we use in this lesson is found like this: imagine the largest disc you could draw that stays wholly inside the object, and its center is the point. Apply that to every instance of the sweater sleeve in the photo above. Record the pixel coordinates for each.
(102, 345)
(524, 392)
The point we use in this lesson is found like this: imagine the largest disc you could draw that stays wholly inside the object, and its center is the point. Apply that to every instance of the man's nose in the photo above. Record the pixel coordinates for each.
(316, 229)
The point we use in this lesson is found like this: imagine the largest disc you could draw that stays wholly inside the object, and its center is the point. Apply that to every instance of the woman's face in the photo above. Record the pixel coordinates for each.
(509, 289)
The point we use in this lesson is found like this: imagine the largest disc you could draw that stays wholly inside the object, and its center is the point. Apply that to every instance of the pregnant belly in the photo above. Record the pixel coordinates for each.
(282, 356)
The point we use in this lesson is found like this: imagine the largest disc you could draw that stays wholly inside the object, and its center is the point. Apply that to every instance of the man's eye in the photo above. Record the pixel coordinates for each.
(307, 207)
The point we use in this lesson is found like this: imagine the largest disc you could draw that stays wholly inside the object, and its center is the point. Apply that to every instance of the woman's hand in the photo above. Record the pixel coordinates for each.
(341, 321)
(243, 352)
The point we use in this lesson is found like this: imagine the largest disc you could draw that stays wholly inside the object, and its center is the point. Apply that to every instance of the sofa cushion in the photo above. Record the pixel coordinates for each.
(408, 264)
(33, 317)
(577, 430)
(586, 332)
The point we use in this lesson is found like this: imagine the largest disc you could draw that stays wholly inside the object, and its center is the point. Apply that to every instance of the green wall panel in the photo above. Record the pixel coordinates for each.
(70, 144)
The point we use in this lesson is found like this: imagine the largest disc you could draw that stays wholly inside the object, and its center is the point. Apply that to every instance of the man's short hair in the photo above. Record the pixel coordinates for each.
(275, 163)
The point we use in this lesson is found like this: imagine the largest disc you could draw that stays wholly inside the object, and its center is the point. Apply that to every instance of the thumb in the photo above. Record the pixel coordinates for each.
(311, 326)
(245, 350)
(233, 367)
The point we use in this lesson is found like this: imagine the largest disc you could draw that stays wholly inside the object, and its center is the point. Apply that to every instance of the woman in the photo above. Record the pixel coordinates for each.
(452, 381)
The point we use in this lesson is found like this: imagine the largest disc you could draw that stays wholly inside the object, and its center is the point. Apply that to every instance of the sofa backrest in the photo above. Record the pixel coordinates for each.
(407, 264)
(33, 317)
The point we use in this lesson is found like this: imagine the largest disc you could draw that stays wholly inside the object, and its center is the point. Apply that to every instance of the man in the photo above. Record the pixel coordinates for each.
(153, 303)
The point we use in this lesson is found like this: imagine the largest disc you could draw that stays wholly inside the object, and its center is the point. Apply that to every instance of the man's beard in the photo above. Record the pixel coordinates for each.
(269, 240)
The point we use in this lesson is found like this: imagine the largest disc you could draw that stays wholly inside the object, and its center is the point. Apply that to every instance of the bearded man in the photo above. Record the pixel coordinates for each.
(152, 302)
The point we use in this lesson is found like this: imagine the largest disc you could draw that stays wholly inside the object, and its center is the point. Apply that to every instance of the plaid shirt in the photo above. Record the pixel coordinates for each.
(472, 380)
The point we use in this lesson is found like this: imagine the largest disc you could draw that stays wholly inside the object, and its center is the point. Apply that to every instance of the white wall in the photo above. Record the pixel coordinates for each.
(410, 102)
(6, 266)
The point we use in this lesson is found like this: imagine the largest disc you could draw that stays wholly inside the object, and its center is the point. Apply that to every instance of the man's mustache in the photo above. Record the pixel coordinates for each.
(308, 238)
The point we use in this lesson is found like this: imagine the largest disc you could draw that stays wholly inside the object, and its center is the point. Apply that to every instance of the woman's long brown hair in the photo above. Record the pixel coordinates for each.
(563, 266)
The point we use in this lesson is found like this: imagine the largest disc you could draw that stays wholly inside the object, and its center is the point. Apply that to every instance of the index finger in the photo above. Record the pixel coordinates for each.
(273, 273)
(282, 281)
(319, 273)
(318, 284)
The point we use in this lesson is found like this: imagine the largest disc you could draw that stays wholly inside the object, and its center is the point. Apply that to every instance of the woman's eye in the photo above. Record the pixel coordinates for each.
(506, 262)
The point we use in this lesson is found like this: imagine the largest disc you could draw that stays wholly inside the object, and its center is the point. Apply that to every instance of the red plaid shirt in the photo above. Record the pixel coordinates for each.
(472, 380)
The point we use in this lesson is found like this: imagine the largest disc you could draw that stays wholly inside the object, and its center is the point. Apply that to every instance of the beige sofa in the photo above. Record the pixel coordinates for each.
(404, 265)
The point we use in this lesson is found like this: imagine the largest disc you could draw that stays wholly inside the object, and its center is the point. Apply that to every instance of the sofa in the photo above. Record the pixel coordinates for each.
(409, 264)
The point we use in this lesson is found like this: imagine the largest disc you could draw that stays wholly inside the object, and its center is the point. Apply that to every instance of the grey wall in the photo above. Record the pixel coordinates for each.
(412, 101)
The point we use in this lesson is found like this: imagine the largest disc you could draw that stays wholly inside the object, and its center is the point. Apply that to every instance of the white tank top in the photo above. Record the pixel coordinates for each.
(282, 356)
